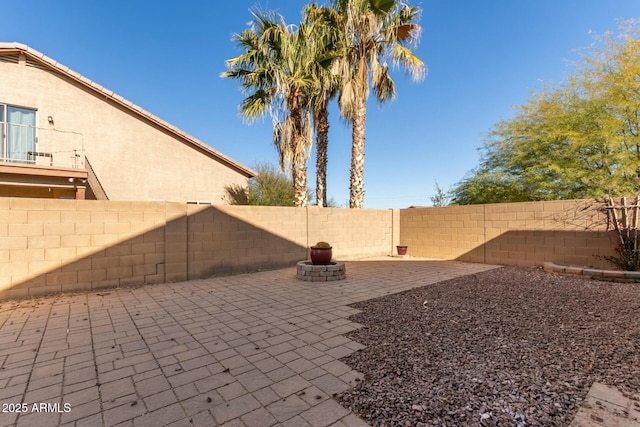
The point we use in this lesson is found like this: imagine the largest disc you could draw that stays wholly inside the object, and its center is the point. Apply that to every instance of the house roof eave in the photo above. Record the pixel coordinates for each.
(11, 47)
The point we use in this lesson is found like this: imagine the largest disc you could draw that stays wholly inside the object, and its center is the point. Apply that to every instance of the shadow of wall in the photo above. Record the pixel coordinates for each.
(525, 234)
(216, 240)
(533, 248)
(49, 246)
(104, 245)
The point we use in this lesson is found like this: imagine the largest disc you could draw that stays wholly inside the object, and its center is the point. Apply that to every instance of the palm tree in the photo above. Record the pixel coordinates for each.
(276, 69)
(375, 31)
(325, 29)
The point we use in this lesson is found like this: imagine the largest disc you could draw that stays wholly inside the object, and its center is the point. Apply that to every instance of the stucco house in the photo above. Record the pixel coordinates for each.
(65, 136)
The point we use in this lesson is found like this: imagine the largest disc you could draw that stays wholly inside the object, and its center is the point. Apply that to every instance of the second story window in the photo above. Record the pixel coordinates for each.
(17, 134)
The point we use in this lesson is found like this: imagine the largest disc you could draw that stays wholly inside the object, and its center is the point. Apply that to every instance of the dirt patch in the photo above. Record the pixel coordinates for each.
(506, 347)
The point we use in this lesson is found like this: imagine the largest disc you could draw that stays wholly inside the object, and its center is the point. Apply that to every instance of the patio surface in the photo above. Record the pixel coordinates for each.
(256, 349)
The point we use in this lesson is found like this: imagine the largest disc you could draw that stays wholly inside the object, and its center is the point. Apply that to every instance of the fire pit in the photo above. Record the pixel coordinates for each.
(321, 273)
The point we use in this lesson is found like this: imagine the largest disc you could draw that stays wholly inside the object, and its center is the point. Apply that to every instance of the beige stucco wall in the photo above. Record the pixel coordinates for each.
(570, 232)
(133, 158)
(49, 246)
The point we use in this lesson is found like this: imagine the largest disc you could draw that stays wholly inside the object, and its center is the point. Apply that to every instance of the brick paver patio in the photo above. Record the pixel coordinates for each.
(256, 349)
(606, 406)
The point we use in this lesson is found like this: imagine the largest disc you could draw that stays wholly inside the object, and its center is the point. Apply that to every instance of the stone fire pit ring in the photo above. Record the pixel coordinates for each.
(321, 273)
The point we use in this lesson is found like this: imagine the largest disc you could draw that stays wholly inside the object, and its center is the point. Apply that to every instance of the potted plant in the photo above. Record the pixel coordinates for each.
(321, 254)
(402, 250)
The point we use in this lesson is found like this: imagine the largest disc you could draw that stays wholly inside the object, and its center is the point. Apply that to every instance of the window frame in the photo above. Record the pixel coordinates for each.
(4, 134)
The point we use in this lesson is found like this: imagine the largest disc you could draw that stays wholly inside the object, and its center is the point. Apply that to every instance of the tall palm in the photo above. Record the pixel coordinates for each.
(375, 31)
(276, 70)
(324, 22)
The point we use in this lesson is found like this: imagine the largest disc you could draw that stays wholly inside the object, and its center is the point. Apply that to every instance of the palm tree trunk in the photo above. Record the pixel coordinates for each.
(300, 186)
(322, 144)
(356, 190)
(298, 165)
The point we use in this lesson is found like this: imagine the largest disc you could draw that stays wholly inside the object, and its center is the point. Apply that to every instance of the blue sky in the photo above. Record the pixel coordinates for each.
(483, 58)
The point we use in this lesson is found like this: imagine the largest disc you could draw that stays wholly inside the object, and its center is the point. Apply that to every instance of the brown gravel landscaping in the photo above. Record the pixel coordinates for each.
(506, 347)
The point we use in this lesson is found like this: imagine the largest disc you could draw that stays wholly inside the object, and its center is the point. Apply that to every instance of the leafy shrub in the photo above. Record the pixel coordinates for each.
(628, 258)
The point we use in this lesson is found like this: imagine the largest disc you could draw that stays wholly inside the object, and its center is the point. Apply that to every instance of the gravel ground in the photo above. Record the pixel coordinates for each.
(507, 347)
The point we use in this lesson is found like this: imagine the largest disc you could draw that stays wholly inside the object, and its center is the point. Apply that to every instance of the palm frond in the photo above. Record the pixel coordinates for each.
(413, 65)
(385, 87)
(381, 7)
(255, 106)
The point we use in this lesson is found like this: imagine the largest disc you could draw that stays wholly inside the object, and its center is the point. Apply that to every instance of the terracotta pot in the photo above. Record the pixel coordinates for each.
(321, 256)
(402, 250)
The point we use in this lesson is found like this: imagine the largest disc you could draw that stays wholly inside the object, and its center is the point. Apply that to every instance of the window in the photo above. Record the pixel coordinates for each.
(17, 134)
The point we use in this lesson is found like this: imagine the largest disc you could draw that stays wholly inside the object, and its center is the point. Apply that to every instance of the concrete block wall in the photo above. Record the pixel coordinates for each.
(49, 246)
(569, 232)
(229, 239)
(354, 233)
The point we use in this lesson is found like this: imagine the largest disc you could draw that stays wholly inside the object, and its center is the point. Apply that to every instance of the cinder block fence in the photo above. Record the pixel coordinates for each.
(569, 232)
(49, 246)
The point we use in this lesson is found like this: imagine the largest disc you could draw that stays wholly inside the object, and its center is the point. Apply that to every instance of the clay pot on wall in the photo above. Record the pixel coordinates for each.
(321, 254)
(402, 250)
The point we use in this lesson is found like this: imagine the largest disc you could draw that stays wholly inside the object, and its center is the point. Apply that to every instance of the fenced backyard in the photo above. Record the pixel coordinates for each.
(463, 343)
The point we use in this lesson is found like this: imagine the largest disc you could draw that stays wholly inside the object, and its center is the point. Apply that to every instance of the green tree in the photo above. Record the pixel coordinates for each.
(269, 187)
(276, 69)
(375, 31)
(580, 139)
(441, 198)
